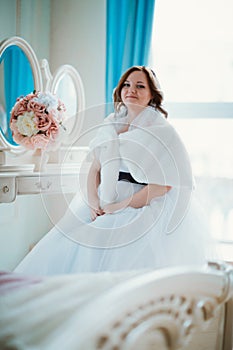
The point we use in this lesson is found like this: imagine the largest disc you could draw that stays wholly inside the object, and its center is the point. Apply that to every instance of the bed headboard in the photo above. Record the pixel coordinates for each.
(177, 308)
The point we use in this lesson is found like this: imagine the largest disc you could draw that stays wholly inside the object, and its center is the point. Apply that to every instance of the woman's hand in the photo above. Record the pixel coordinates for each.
(138, 199)
(95, 210)
(94, 205)
(112, 207)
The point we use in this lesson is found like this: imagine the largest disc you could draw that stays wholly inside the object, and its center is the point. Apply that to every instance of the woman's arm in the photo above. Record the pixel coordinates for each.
(138, 199)
(93, 181)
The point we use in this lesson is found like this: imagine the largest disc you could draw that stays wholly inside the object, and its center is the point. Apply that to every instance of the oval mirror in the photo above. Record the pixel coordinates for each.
(68, 86)
(19, 75)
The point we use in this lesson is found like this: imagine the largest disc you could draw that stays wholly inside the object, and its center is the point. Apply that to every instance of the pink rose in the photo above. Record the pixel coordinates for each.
(30, 96)
(18, 138)
(36, 141)
(52, 132)
(36, 107)
(13, 126)
(33, 142)
(19, 108)
(43, 121)
(40, 141)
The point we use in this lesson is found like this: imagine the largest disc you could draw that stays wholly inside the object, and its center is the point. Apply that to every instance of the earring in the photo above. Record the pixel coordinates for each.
(151, 103)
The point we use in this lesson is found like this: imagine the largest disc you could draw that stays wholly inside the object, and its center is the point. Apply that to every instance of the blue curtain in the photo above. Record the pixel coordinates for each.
(129, 29)
(18, 79)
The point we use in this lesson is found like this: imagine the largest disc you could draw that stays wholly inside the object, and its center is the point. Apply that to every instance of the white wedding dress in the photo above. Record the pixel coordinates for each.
(129, 239)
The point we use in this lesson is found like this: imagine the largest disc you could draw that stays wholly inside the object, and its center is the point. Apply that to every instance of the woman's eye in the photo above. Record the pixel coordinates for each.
(126, 85)
(140, 86)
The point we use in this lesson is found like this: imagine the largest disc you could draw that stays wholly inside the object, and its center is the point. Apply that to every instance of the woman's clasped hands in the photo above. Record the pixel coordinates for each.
(110, 208)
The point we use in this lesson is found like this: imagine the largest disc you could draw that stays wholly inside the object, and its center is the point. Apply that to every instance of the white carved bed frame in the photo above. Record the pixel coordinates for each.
(182, 308)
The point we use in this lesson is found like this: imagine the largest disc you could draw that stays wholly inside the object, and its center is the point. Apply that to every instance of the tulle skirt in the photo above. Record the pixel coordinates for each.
(129, 239)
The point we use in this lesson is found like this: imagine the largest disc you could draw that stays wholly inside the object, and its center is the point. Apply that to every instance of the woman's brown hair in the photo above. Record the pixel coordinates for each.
(157, 94)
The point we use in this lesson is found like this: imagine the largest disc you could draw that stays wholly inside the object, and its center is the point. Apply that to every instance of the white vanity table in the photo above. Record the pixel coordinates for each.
(16, 164)
(13, 183)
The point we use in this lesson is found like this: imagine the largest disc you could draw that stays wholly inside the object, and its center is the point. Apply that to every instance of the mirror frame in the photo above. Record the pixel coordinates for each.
(38, 84)
(68, 70)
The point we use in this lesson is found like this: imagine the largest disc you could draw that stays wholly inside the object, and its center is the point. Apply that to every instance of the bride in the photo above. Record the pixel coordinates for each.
(139, 209)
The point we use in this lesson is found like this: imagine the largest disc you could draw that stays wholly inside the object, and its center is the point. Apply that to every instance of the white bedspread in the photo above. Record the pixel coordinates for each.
(34, 311)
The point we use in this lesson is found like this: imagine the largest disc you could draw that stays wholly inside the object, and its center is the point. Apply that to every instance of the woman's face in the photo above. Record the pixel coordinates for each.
(136, 90)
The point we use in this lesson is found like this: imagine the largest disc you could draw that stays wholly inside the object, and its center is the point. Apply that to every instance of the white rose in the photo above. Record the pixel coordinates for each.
(47, 99)
(26, 124)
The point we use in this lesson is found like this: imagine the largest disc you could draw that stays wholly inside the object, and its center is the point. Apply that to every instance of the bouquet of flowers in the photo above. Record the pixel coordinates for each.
(37, 121)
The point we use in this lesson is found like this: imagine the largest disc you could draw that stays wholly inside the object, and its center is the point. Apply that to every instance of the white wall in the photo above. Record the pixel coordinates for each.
(34, 25)
(29, 19)
(64, 32)
(7, 18)
(78, 38)
(7, 29)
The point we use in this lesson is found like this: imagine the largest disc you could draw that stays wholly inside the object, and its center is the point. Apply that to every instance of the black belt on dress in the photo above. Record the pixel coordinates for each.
(128, 177)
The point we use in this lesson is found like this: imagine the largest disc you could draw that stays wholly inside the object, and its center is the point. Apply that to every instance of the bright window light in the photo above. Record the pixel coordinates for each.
(192, 49)
(192, 55)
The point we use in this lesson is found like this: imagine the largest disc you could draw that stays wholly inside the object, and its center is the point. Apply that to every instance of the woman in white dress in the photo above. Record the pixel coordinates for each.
(139, 210)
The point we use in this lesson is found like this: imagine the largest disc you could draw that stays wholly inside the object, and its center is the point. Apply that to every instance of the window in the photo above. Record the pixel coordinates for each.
(192, 54)
(193, 49)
